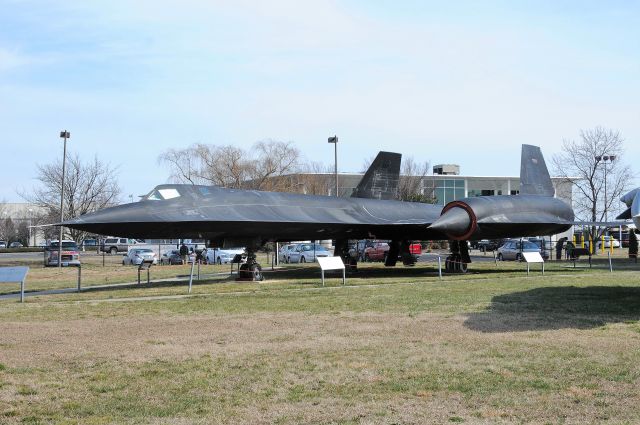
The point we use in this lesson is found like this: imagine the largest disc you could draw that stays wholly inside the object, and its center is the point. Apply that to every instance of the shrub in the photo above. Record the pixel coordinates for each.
(633, 245)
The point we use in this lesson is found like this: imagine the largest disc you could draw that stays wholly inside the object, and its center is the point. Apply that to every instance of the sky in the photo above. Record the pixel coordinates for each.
(462, 82)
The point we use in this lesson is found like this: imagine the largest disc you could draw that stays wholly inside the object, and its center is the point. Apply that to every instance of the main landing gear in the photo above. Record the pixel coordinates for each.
(250, 271)
(459, 258)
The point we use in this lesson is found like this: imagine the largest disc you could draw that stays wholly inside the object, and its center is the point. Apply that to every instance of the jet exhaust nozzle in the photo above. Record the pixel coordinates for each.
(457, 220)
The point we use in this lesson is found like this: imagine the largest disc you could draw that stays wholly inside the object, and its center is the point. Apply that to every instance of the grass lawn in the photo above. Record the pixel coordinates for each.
(394, 346)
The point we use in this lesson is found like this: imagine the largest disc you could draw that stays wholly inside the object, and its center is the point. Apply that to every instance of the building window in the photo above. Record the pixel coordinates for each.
(448, 190)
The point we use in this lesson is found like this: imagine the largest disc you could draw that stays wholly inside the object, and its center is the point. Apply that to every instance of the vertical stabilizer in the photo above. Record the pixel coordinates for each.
(381, 179)
(534, 176)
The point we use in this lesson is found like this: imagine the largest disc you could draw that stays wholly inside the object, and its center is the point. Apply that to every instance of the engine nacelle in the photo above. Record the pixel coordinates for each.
(490, 217)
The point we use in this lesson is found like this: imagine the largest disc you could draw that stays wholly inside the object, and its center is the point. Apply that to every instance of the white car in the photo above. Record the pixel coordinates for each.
(284, 253)
(307, 252)
(136, 256)
(608, 240)
(222, 256)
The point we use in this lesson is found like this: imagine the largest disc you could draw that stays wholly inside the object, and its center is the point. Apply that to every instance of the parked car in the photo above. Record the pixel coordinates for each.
(222, 256)
(485, 245)
(377, 251)
(356, 251)
(307, 252)
(285, 251)
(15, 245)
(89, 244)
(115, 245)
(137, 255)
(3, 244)
(545, 245)
(513, 249)
(608, 241)
(70, 254)
(171, 258)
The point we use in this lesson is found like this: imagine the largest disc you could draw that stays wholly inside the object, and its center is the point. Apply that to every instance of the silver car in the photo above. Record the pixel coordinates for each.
(513, 249)
(307, 252)
(222, 256)
(137, 255)
(284, 252)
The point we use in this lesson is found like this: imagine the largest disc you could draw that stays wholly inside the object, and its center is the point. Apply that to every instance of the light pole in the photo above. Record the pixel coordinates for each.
(30, 210)
(334, 140)
(605, 159)
(64, 135)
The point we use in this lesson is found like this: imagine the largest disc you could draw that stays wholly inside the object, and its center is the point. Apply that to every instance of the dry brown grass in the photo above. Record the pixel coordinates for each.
(295, 367)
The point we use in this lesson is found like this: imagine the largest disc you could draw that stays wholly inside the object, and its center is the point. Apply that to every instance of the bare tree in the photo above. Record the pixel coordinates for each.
(412, 176)
(315, 179)
(89, 187)
(3, 227)
(581, 163)
(228, 166)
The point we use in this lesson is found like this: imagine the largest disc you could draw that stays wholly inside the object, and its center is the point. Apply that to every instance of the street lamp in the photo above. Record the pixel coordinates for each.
(334, 140)
(64, 134)
(604, 159)
(30, 210)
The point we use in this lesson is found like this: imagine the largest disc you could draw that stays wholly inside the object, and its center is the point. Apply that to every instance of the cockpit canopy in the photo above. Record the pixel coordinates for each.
(161, 193)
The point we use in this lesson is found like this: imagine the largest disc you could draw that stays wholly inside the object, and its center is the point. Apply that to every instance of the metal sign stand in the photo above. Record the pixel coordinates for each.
(533, 257)
(15, 275)
(332, 263)
(145, 265)
(191, 276)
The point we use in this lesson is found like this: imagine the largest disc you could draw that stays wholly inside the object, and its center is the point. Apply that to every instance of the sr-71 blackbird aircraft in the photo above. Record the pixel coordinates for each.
(233, 217)
(632, 201)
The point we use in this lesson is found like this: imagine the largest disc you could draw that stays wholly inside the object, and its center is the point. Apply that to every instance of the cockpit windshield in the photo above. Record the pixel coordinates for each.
(163, 194)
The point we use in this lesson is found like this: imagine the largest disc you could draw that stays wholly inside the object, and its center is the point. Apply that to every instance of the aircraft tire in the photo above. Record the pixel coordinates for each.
(463, 268)
(257, 272)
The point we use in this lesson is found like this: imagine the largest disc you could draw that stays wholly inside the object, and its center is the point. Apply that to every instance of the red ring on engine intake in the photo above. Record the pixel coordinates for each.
(474, 220)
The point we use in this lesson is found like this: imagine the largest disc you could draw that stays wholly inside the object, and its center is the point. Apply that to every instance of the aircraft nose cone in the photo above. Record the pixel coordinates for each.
(455, 222)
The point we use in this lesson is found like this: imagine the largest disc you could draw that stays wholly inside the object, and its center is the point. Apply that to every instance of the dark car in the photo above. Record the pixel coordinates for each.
(171, 258)
(485, 245)
(89, 244)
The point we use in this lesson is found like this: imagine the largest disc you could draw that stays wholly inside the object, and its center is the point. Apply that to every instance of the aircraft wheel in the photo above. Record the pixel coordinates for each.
(257, 272)
(463, 268)
(447, 264)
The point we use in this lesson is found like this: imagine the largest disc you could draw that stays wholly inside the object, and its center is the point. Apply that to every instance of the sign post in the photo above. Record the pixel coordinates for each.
(331, 263)
(15, 275)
